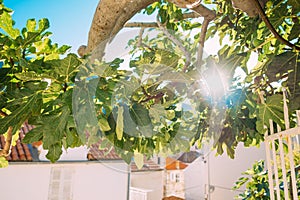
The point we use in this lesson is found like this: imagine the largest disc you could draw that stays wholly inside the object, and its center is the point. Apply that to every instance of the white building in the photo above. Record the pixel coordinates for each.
(220, 172)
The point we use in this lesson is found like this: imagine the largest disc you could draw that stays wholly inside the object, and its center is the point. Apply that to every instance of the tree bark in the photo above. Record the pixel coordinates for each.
(111, 16)
(6, 149)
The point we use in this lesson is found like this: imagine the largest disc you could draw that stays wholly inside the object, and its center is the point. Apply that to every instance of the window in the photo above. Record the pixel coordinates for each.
(60, 187)
(175, 177)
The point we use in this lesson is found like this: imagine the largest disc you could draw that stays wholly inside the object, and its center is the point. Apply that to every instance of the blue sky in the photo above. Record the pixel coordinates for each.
(70, 20)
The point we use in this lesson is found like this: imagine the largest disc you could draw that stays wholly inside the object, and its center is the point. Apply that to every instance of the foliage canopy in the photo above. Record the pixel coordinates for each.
(166, 102)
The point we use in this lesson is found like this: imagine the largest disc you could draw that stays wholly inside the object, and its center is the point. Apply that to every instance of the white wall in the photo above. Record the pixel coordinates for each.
(24, 182)
(194, 180)
(95, 181)
(91, 180)
(151, 180)
(224, 172)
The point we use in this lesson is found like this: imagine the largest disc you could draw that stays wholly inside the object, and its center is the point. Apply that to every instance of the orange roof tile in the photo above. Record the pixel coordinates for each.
(172, 198)
(173, 164)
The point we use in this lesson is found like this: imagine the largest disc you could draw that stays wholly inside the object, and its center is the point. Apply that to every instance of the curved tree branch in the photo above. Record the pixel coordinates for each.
(270, 26)
(111, 16)
(109, 19)
(5, 151)
(201, 41)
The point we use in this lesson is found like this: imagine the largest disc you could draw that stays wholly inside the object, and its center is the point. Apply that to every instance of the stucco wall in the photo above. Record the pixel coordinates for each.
(152, 180)
(89, 181)
(24, 182)
(224, 172)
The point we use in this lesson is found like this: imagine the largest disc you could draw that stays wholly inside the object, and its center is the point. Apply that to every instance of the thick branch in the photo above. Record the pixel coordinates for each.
(109, 19)
(205, 12)
(202, 41)
(270, 26)
(6, 149)
(111, 16)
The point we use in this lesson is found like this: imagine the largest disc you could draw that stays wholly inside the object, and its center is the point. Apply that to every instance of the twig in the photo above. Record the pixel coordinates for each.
(177, 42)
(201, 41)
(145, 92)
(141, 24)
(140, 40)
(271, 28)
(155, 25)
(156, 96)
(6, 150)
(3, 114)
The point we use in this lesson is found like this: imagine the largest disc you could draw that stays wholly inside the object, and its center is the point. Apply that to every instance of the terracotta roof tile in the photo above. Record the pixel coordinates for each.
(172, 198)
(173, 164)
(104, 154)
(149, 165)
(20, 152)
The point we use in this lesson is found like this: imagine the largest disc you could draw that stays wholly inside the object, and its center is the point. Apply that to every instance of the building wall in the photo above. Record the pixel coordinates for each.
(151, 180)
(223, 171)
(89, 181)
(24, 182)
(194, 181)
(174, 183)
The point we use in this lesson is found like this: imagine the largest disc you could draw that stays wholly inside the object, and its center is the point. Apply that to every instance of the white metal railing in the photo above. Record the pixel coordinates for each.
(280, 162)
(139, 193)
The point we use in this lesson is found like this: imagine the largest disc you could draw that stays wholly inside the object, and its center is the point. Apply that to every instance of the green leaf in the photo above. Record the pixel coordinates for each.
(272, 109)
(54, 152)
(3, 162)
(126, 156)
(240, 182)
(43, 25)
(120, 123)
(72, 139)
(139, 160)
(84, 108)
(175, 77)
(33, 136)
(27, 108)
(104, 125)
(140, 115)
(6, 24)
(157, 111)
(170, 114)
(28, 76)
(31, 25)
(54, 132)
(66, 67)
